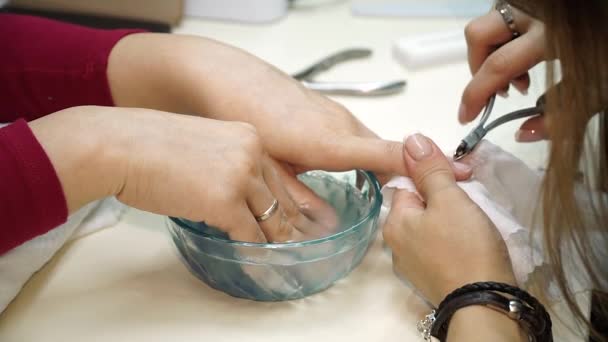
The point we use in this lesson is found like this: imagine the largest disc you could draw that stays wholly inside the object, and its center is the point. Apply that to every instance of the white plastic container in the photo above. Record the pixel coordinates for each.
(426, 50)
(249, 11)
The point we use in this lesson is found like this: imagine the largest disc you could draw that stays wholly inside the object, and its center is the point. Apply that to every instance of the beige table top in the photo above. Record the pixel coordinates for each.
(126, 283)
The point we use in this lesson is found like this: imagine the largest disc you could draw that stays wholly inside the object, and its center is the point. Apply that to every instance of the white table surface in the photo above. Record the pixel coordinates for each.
(126, 282)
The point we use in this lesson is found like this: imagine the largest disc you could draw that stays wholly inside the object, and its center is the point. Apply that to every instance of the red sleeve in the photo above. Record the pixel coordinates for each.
(31, 197)
(46, 66)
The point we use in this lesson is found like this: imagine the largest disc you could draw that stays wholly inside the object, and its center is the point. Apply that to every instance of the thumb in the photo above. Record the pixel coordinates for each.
(427, 166)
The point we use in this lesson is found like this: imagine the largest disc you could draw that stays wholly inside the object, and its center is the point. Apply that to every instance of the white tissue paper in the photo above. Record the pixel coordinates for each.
(508, 191)
(20, 263)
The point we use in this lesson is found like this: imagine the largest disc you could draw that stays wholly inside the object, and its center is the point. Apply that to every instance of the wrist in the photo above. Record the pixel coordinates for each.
(85, 151)
(446, 287)
(160, 71)
(510, 301)
(479, 323)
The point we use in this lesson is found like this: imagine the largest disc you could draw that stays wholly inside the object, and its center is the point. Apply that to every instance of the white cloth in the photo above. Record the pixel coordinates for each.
(20, 263)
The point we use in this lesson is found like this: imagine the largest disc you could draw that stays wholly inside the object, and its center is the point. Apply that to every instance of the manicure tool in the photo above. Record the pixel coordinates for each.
(345, 88)
(474, 137)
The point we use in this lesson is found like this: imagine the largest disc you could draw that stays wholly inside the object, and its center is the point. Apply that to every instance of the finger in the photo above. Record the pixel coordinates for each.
(483, 34)
(309, 229)
(428, 167)
(503, 65)
(406, 208)
(353, 152)
(532, 130)
(504, 92)
(406, 203)
(383, 157)
(241, 226)
(522, 83)
(307, 201)
(376, 155)
(461, 171)
(260, 199)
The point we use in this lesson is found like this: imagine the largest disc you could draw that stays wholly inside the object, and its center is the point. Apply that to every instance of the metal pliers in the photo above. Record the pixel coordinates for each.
(346, 88)
(474, 137)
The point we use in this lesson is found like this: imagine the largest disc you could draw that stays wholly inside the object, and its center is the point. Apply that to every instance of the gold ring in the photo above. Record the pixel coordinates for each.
(269, 212)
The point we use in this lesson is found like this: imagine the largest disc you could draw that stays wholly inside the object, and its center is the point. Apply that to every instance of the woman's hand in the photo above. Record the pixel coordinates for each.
(496, 59)
(298, 127)
(177, 165)
(441, 240)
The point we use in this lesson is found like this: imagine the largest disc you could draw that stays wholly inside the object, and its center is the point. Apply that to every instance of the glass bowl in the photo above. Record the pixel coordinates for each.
(285, 271)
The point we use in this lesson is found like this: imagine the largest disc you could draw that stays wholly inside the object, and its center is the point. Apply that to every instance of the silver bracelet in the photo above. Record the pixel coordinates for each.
(424, 325)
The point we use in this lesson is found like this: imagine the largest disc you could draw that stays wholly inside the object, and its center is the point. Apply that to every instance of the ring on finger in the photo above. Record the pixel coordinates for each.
(269, 212)
(506, 12)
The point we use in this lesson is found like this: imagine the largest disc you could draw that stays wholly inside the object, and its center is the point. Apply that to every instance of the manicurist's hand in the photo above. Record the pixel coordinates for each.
(299, 128)
(442, 240)
(185, 166)
(496, 59)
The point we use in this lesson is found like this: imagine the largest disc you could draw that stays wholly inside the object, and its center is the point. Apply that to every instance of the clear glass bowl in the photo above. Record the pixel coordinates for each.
(285, 271)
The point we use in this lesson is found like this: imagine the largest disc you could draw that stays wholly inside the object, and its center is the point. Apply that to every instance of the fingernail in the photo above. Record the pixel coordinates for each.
(462, 114)
(521, 87)
(418, 146)
(461, 167)
(528, 135)
(503, 94)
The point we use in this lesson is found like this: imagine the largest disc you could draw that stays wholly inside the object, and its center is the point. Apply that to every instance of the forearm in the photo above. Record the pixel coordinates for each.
(477, 323)
(86, 151)
(193, 75)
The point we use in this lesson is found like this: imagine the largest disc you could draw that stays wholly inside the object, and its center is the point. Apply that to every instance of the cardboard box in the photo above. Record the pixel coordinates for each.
(162, 11)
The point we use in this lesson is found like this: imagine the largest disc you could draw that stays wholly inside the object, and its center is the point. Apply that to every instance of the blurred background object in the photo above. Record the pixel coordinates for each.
(424, 8)
(252, 11)
(154, 15)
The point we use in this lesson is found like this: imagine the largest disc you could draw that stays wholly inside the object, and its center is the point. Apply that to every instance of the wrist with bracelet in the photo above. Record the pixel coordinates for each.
(519, 306)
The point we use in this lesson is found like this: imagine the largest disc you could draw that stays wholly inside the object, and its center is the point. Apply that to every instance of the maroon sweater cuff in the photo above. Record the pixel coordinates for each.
(47, 66)
(31, 193)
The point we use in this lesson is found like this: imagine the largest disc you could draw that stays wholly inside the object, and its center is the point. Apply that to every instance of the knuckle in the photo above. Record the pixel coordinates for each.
(249, 138)
(246, 168)
(227, 197)
(246, 127)
(388, 233)
(468, 94)
(290, 210)
(498, 62)
(392, 148)
(392, 234)
(402, 195)
(434, 173)
(473, 33)
(283, 230)
(253, 144)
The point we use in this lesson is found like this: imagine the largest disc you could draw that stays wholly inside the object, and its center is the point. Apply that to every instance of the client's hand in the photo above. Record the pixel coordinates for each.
(170, 164)
(442, 240)
(298, 127)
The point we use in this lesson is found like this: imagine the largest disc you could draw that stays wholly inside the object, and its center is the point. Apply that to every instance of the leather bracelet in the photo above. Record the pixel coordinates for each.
(523, 308)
